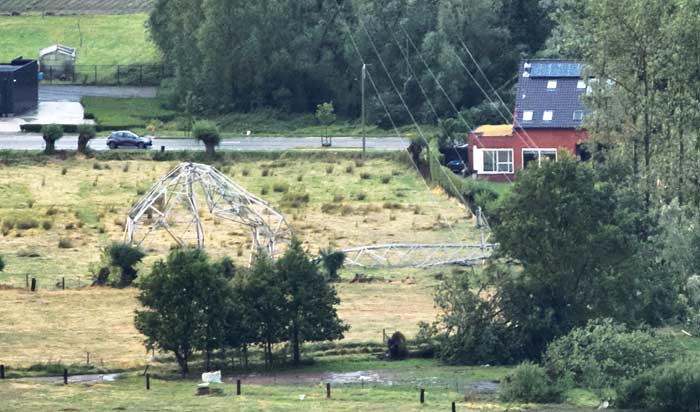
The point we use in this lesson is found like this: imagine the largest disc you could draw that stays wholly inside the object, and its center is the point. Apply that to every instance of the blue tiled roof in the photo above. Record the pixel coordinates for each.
(564, 100)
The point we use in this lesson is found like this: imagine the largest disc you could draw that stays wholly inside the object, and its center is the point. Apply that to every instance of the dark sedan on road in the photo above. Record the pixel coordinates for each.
(128, 139)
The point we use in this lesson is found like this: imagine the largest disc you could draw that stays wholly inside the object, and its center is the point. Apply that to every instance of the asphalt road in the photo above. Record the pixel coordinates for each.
(31, 141)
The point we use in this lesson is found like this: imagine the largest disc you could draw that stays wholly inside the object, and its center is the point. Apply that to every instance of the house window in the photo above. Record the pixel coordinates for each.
(578, 115)
(498, 161)
(581, 85)
(552, 84)
(534, 157)
(548, 116)
(527, 115)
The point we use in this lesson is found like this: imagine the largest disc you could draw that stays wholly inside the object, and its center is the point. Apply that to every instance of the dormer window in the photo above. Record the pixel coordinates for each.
(548, 116)
(527, 115)
(552, 85)
(578, 115)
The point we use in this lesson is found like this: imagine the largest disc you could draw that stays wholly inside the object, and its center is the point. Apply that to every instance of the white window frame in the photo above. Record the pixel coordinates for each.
(581, 85)
(528, 115)
(551, 85)
(582, 115)
(550, 113)
(498, 163)
(539, 155)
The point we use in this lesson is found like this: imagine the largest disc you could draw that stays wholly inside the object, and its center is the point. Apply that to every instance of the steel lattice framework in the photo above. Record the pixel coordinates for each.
(417, 255)
(173, 204)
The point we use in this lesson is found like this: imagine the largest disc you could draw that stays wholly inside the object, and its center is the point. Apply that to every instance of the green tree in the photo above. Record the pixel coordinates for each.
(207, 133)
(325, 114)
(310, 300)
(183, 302)
(263, 297)
(51, 133)
(86, 132)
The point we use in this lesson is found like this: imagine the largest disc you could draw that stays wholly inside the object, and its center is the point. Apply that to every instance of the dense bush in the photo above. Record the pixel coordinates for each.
(673, 387)
(603, 353)
(125, 257)
(529, 383)
(397, 346)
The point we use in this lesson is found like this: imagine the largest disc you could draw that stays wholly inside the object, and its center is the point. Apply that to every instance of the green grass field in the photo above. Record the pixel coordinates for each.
(106, 39)
(76, 6)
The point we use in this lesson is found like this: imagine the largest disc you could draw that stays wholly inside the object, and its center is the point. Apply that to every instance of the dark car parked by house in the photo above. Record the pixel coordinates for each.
(128, 139)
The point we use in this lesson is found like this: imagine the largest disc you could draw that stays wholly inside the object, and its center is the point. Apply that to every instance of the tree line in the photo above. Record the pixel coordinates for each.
(195, 305)
(232, 55)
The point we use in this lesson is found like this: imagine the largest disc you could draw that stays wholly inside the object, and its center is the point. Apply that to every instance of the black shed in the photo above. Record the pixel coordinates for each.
(19, 86)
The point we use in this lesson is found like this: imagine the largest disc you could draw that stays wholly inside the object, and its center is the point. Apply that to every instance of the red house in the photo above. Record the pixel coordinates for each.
(547, 118)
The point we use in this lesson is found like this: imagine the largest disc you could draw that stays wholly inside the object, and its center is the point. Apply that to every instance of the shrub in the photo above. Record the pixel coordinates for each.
(51, 133)
(350, 169)
(70, 226)
(361, 196)
(365, 175)
(332, 260)
(392, 205)
(280, 187)
(207, 133)
(265, 190)
(602, 354)
(265, 173)
(46, 225)
(295, 200)
(64, 171)
(2, 264)
(26, 224)
(397, 346)
(338, 198)
(329, 170)
(86, 132)
(386, 180)
(125, 257)
(51, 211)
(245, 172)
(529, 383)
(671, 387)
(65, 243)
(359, 163)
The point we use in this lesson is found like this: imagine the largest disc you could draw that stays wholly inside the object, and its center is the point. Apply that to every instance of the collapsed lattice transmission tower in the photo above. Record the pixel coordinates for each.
(174, 204)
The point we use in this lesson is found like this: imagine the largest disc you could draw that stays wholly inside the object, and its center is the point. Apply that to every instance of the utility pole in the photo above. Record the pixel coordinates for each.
(364, 132)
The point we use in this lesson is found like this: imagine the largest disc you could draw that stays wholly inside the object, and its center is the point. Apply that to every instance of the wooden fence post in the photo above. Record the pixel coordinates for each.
(33, 284)
(238, 387)
(422, 395)
(65, 376)
(328, 391)
(454, 407)
(148, 381)
(63, 283)
(2, 371)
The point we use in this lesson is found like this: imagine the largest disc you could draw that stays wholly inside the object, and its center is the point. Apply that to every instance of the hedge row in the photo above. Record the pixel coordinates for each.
(73, 128)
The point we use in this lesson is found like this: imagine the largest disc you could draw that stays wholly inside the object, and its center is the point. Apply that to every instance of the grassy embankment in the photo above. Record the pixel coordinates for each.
(138, 113)
(106, 40)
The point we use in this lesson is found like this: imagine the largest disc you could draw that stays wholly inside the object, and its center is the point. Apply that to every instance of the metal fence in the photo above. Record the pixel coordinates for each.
(109, 75)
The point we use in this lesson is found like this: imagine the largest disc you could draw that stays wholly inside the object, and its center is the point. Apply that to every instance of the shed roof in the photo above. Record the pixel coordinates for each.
(494, 130)
(58, 48)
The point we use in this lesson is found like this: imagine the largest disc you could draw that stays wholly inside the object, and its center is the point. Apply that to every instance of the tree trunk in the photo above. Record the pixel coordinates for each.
(207, 359)
(296, 350)
(211, 149)
(182, 362)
